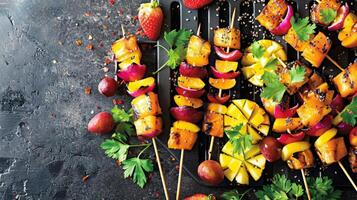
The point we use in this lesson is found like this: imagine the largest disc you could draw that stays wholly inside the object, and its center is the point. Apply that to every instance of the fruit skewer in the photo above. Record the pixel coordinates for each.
(183, 133)
(145, 104)
(314, 48)
(223, 37)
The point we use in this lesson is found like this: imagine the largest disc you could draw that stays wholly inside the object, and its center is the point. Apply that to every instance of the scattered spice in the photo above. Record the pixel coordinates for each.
(107, 61)
(89, 47)
(88, 90)
(87, 14)
(118, 102)
(112, 2)
(105, 69)
(79, 42)
(90, 37)
(85, 178)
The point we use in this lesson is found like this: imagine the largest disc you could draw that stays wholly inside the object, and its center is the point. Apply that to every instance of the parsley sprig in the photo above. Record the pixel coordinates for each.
(273, 89)
(177, 41)
(240, 141)
(234, 195)
(322, 188)
(303, 28)
(281, 188)
(349, 113)
(328, 15)
(297, 74)
(117, 147)
(257, 50)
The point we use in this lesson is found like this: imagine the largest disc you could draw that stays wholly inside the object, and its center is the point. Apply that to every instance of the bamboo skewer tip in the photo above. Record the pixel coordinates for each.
(335, 63)
(178, 191)
(160, 170)
(198, 30)
(305, 184)
(210, 148)
(348, 176)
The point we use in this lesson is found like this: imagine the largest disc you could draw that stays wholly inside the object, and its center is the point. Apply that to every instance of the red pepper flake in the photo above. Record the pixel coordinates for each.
(157, 194)
(100, 44)
(118, 102)
(135, 18)
(139, 29)
(120, 11)
(114, 33)
(79, 42)
(107, 61)
(87, 14)
(85, 178)
(88, 90)
(177, 167)
(112, 2)
(118, 162)
(89, 47)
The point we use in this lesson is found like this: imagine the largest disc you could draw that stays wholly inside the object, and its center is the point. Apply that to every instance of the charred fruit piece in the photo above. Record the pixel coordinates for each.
(227, 38)
(181, 139)
(148, 127)
(272, 14)
(317, 49)
(181, 100)
(145, 105)
(346, 81)
(198, 51)
(190, 83)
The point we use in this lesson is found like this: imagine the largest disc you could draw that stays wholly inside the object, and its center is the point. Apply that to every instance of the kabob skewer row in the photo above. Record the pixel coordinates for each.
(146, 107)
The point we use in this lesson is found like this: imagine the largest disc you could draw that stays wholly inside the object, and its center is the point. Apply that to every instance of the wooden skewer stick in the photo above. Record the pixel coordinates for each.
(180, 175)
(115, 61)
(210, 148)
(178, 191)
(305, 184)
(160, 169)
(335, 63)
(348, 176)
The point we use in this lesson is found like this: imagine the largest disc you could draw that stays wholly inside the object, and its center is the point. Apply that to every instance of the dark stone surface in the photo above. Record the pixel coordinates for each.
(45, 149)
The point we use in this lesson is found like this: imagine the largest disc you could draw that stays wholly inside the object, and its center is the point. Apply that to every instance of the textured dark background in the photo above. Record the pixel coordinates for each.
(45, 149)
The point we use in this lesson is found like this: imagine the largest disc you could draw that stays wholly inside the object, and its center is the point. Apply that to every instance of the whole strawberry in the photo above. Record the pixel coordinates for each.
(151, 18)
(196, 4)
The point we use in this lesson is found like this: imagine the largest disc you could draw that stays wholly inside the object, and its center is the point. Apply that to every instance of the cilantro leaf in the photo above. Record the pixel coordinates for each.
(328, 15)
(136, 168)
(297, 74)
(271, 64)
(240, 141)
(115, 149)
(120, 115)
(233, 195)
(322, 188)
(175, 57)
(273, 89)
(302, 28)
(177, 38)
(257, 49)
(349, 113)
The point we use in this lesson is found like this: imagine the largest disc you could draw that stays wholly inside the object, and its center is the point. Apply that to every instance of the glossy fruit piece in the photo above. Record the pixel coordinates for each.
(218, 108)
(221, 75)
(210, 172)
(230, 56)
(196, 4)
(280, 112)
(223, 84)
(348, 25)
(285, 25)
(216, 99)
(353, 137)
(190, 83)
(189, 93)
(133, 72)
(282, 125)
(342, 13)
(213, 124)
(313, 111)
(332, 151)
(181, 139)
(124, 47)
(190, 71)
(346, 81)
(186, 126)
(101, 123)
(200, 197)
(270, 148)
(290, 149)
(198, 51)
(301, 160)
(285, 77)
(292, 39)
(316, 9)
(224, 66)
(287, 138)
(327, 136)
(269, 105)
(108, 86)
(148, 127)
(133, 59)
(344, 128)
(351, 42)
(181, 100)
(140, 87)
(185, 113)
(272, 14)
(337, 104)
(321, 127)
(145, 105)
(227, 38)
(242, 176)
(317, 49)
(151, 19)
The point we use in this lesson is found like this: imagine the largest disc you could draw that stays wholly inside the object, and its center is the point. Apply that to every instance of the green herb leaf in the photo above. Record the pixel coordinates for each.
(349, 113)
(302, 28)
(115, 149)
(123, 138)
(233, 195)
(120, 115)
(125, 128)
(240, 141)
(271, 64)
(257, 50)
(136, 168)
(175, 56)
(297, 190)
(328, 15)
(297, 74)
(177, 38)
(273, 89)
(322, 188)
